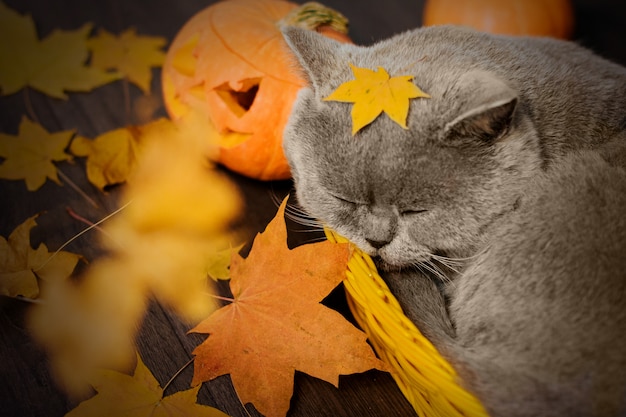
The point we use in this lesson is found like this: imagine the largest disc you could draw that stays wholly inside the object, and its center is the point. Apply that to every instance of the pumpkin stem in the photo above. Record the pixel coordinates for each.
(313, 15)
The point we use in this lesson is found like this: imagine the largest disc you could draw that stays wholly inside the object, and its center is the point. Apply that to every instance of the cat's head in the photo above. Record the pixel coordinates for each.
(406, 194)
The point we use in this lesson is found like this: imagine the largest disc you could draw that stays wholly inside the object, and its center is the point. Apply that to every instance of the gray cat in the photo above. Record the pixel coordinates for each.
(509, 183)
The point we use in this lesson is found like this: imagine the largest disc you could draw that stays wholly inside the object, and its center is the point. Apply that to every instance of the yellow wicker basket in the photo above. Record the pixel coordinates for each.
(427, 380)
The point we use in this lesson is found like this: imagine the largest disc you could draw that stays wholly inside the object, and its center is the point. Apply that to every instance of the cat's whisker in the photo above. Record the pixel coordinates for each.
(297, 214)
(448, 261)
(440, 273)
(316, 240)
(451, 264)
(419, 267)
(304, 220)
(276, 199)
(429, 267)
(459, 260)
(312, 229)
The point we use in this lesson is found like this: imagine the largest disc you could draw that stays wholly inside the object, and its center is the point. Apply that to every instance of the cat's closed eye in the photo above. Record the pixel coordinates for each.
(410, 212)
(345, 200)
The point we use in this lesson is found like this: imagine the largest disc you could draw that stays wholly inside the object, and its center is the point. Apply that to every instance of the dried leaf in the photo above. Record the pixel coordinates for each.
(112, 157)
(130, 54)
(218, 262)
(374, 92)
(138, 396)
(52, 65)
(276, 324)
(30, 154)
(20, 264)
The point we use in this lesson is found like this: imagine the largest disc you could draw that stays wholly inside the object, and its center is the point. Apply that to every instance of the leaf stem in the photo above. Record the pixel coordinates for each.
(99, 222)
(127, 105)
(76, 188)
(219, 297)
(29, 300)
(168, 383)
(88, 222)
(29, 106)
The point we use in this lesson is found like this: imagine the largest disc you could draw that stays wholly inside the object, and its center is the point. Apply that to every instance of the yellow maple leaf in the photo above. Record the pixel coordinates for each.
(374, 92)
(139, 395)
(52, 65)
(30, 154)
(132, 55)
(20, 264)
(112, 157)
(218, 262)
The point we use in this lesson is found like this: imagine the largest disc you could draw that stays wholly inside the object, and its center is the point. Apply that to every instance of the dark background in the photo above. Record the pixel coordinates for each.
(26, 388)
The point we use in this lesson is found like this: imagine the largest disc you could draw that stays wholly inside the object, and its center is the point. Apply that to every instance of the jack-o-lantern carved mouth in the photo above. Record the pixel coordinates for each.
(239, 101)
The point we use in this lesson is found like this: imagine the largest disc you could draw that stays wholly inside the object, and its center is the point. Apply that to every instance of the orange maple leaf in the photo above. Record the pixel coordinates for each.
(276, 324)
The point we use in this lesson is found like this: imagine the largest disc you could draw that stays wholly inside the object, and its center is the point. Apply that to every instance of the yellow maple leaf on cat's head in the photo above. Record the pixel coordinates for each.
(375, 92)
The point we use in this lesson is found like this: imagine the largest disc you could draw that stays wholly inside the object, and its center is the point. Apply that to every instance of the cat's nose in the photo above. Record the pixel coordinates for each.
(377, 244)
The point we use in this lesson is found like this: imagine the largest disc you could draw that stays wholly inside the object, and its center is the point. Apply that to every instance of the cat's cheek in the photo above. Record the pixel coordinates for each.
(402, 255)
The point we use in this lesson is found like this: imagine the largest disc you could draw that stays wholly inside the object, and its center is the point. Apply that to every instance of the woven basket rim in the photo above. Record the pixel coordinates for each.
(425, 378)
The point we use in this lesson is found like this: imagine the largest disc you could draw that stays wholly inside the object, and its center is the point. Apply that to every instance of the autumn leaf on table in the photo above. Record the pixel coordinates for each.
(112, 157)
(276, 324)
(374, 92)
(130, 54)
(218, 262)
(20, 264)
(51, 65)
(139, 395)
(30, 154)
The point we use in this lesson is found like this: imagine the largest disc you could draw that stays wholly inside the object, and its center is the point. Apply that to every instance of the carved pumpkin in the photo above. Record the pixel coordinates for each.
(553, 18)
(230, 62)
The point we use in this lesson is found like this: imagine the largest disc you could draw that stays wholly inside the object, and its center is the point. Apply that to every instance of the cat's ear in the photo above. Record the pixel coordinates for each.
(316, 54)
(487, 110)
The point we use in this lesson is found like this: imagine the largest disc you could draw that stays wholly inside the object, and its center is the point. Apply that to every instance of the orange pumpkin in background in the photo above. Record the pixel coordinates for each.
(553, 18)
(230, 62)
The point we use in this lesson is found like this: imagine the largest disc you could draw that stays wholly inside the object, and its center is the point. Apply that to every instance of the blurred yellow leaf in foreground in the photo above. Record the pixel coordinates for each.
(176, 212)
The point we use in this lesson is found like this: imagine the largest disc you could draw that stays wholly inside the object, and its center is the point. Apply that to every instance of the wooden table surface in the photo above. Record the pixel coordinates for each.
(26, 388)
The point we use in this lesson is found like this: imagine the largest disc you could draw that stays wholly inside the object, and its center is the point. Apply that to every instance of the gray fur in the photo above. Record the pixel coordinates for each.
(515, 165)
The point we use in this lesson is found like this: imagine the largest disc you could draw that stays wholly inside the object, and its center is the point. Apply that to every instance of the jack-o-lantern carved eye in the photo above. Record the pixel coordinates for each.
(243, 80)
(239, 102)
